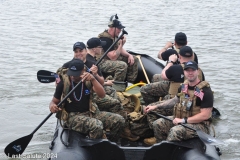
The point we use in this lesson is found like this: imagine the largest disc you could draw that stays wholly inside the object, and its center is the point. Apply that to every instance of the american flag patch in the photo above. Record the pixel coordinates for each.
(184, 88)
(57, 78)
(198, 93)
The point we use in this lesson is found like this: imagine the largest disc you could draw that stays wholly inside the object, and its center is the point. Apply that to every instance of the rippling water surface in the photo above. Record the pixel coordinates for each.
(37, 35)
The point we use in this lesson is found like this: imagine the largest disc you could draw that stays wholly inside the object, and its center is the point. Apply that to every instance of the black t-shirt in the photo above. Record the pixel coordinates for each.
(207, 101)
(79, 99)
(175, 73)
(90, 60)
(165, 55)
(109, 42)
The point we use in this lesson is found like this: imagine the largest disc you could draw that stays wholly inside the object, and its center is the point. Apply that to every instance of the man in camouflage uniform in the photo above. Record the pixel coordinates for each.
(153, 93)
(171, 73)
(81, 114)
(110, 102)
(192, 106)
(174, 74)
(118, 62)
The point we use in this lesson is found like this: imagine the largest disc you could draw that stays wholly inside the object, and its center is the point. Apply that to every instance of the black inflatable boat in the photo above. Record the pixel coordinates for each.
(71, 145)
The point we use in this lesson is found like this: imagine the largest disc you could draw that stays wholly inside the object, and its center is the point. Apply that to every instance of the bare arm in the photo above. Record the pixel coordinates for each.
(167, 45)
(53, 105)
(113, 55)
(108, 83)
(165, 104)
(169, 103)
(172, 58)
(94, 70)
(97, 87)
(126, 54)
(205, 114)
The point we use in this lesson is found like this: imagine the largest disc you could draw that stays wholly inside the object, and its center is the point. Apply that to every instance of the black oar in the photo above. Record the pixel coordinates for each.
(123, 32)
(215, 113)
(18, 146)
(44, 76)
(206, 138)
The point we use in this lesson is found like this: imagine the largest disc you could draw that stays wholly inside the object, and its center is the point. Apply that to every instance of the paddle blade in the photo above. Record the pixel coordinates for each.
(208, 139)
(44, 76)
(215, 113)
(18, 146)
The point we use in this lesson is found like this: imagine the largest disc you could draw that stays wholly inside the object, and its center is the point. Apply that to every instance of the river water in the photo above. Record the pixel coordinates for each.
(38, 35)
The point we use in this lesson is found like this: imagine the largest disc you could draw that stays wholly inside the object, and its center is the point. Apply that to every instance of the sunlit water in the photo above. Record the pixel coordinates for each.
(37, 35)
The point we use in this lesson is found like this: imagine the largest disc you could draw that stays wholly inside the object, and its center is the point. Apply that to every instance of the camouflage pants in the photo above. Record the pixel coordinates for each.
(153, 91)
(166, 130)
(120, 70)
(151, 117)
(157, 78)
(132, 71)
(95, 124)
(110, 102)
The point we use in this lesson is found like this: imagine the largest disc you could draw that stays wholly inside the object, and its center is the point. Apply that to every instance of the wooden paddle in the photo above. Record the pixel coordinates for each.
(144, 71)
(206, 138)
(18, 146)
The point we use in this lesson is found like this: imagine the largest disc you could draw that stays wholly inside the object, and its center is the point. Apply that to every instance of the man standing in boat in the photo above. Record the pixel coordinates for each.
(192, 106)
(118, 62)
(78, 112)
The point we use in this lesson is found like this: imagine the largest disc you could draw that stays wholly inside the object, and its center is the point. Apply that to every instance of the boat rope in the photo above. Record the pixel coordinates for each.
(134, 85)
(66, 144)
(214, 133)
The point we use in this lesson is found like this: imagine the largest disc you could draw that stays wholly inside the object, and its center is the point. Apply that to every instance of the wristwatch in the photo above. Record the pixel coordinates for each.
(171, 62)
(185, 119)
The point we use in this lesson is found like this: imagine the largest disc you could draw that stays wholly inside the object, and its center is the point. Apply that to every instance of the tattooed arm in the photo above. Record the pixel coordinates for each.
(165, 104)
(170, 103)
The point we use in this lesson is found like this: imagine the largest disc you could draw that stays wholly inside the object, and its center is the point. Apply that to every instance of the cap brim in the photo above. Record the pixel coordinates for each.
(194, 68)
(103, 43)
(120, 27)
(80, 47)
(73, 73)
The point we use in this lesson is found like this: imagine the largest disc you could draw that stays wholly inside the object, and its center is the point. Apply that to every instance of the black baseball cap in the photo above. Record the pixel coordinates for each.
(186, 51)
(181, 38)
(75, 67)
(118, 24)
(94, 42)
(191, 64)
(80, 45)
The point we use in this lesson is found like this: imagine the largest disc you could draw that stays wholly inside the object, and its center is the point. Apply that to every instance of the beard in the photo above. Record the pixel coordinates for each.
(192, 79)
